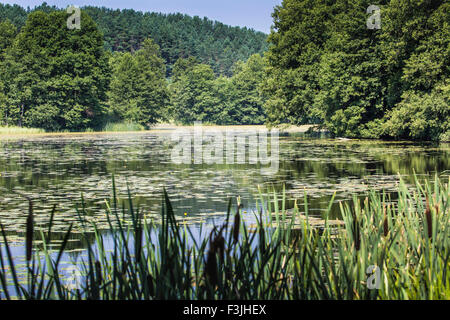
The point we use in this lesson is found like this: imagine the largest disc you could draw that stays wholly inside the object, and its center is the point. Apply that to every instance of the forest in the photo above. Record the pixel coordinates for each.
(321, 65)
(326, 66)
(59, 79)
(177, 35)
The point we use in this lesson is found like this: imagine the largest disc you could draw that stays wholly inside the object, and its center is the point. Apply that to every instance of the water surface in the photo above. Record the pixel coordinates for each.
(60, 169)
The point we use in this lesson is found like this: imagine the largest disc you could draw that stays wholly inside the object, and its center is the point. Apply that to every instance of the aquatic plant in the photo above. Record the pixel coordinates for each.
(122, 127)
(19, 130)
(381, 250)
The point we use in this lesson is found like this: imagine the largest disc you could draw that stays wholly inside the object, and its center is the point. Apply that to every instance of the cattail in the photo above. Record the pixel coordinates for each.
(429, 219)
(356, 235)
(228, 269)
(262, 235)
(219, 244)
(138, 242)
(124, 268)
(30, 231)
(98, 271)
(237, 224)
(385, 224)
(211, 266)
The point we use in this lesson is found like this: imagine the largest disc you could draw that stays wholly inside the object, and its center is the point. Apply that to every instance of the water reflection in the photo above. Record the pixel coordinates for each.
(59, 169)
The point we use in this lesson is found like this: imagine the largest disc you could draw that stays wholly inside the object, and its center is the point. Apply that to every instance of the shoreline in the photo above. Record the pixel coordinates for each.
(167, 127)
(164, 128)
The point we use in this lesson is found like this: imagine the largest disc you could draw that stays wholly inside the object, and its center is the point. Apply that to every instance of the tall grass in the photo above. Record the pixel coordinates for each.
(407, 240)
(19, 130)
(122, 127)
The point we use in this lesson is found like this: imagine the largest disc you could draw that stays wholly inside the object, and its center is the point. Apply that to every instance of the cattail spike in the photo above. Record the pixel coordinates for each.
(98, 270)
(30, 231)
(429, 218)
(236, 227)
(211, 262)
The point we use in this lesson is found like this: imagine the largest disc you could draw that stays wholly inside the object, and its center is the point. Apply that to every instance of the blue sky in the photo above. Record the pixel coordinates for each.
(254, 14)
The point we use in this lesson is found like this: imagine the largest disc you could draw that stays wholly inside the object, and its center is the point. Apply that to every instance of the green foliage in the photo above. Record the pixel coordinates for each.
(344, 122)
(326, 66)
(7, 35)
(122, 127)
(423, 116)
(246, 99)
(18, 130)
(57, 77)
(60, 79)
(197, 95)
(138, 87)
(178, 35)
(284, 256)
(192, 92)
(14, 13)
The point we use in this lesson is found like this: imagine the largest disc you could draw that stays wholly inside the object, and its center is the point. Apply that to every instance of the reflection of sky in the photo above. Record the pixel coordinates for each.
(254, 14)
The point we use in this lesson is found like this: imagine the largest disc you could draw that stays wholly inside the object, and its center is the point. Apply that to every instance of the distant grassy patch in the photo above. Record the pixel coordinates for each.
(19, 130)
(123, 126)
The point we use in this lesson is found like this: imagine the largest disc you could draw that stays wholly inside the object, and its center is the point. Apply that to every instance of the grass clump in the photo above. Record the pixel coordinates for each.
(383, 250)
(123, 127)
(19, 130)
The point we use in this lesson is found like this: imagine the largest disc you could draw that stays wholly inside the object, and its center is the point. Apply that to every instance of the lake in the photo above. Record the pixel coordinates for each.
(61, 169)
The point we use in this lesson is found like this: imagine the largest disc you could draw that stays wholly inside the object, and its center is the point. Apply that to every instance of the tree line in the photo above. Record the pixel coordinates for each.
(326, 66)
(178, 35)
(323, 66)
(60, 79)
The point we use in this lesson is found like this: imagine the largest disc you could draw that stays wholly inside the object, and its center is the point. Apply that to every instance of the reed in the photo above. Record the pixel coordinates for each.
(11, 130)
(122, 127)
(407, 241)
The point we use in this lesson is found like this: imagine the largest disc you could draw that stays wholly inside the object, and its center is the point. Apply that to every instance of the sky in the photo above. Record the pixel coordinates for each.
(255, 14)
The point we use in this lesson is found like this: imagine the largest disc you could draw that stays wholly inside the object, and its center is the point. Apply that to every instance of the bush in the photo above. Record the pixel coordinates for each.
(420, 116)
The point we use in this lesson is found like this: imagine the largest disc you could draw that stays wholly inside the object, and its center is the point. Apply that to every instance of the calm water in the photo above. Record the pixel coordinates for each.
(58, 169)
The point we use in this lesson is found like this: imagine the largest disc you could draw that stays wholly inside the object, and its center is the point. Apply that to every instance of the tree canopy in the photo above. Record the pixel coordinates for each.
(178, 35)
(327, 67)
(138, 86)
(197, 95)
(56, 78)
(60, 79)
(323, 66)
